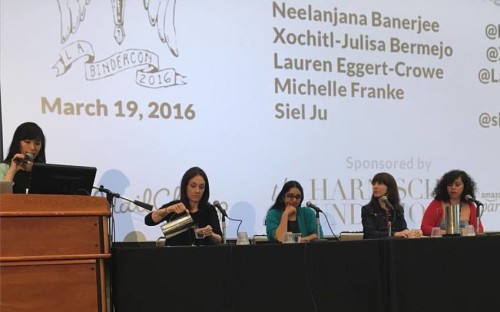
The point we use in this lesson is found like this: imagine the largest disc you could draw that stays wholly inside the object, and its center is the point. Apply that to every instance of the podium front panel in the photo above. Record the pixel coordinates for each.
(51, 286)
(49, 236)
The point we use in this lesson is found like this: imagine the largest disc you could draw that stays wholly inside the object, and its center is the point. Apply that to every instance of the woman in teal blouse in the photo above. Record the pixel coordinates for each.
(287, 215)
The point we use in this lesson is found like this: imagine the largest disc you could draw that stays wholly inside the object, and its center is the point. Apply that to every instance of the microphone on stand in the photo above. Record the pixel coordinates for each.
(389, 205)
(314, 207)
(224, 215)
(469, 198)
(28, 157)
(110, 195)
(472, 199)
(387, 202)
(143, 205)
(318, 210)
(219, 207)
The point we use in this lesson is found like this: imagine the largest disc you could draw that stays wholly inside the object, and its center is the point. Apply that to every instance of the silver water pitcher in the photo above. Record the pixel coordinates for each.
(183, 223)
(452, 219)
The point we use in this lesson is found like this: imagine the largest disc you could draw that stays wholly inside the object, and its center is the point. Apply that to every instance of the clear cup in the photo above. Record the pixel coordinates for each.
(290, 238)
(287, 238)
(242, 239)
(436, 232)
(198, 233)
(296, 237)
(468, 231)
(414, 233)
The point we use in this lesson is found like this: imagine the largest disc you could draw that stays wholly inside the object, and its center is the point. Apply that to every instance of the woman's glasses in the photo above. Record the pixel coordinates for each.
(291, 196)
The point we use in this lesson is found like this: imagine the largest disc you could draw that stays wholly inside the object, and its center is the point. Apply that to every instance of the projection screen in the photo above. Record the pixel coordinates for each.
(257, 93)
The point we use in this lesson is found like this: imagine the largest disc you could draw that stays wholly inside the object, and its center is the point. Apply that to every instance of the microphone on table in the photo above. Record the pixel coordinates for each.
(28, 157)
(469, 198)
(313, 206)
(472, 199)
(387, 202)
(389, 205)
(219, 207)
(318, 226)
(224, 216)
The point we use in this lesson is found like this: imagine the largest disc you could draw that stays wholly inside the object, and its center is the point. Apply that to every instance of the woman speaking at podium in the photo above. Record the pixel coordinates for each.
(27, 147)
(195, 192)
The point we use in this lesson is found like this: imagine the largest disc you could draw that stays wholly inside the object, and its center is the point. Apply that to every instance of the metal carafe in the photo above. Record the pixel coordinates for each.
(452, 219)
(183, 223)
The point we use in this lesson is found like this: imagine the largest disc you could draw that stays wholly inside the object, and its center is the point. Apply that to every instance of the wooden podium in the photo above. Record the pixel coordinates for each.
(52, 253)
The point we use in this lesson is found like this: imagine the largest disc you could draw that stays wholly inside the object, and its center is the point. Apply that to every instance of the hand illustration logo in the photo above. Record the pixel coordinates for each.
(161, 13)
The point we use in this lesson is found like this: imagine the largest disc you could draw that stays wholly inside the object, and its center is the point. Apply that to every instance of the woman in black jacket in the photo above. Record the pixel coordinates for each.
(383, 216)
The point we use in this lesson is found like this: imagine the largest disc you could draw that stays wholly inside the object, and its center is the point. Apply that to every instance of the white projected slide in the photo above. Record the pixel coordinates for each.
(257, 93)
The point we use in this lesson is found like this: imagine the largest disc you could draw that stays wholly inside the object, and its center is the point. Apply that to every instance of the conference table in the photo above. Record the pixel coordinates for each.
(427, 274)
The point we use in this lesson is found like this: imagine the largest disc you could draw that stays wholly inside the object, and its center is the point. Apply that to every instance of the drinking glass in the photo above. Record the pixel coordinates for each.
(436, 232)
(296, 237)
(414, 233)
(242, 239)
(198, 233)
(287, 238)
(291, 238)
(469, 230)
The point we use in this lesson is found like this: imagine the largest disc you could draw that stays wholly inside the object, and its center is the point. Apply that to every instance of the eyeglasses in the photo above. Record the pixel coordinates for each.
(291, 196)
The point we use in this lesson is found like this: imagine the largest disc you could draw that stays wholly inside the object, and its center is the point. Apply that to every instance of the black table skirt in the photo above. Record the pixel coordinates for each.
(447, 274)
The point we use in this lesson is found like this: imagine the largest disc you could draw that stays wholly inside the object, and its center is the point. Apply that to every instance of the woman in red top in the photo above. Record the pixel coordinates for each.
(451, 189)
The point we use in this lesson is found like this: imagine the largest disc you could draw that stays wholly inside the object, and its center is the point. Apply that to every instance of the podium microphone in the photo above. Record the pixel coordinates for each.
(143, 205)
(110, 195)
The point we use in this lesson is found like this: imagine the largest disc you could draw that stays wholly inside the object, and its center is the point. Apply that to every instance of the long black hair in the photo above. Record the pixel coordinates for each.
(441, 191)
(27, 131)
(188, 175)
(280, 199)
(392, 190)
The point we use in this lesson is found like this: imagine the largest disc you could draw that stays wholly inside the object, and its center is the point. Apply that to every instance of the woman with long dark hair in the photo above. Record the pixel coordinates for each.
(27, 147)
(287, 215)
(384, 215)
(195, 193)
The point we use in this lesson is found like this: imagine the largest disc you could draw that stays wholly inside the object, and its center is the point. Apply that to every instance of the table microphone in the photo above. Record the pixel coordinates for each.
(472, 199)
(469, 198)
(313, 206)
(219, 207)
(224, 216)
(318, 226)
(387, 202)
